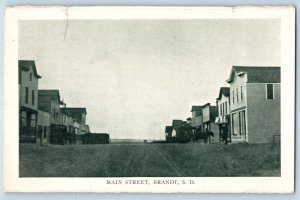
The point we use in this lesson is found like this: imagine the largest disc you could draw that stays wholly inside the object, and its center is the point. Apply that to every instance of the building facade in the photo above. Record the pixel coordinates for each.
(79, 119)
(197, 122)
(255, 103)
(168, 133)
(223, 118)
(43, 131)
(49, 101)
(210, 128)
(28, 100)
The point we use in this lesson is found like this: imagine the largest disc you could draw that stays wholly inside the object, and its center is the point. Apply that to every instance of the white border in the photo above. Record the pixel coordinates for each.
(283, 184)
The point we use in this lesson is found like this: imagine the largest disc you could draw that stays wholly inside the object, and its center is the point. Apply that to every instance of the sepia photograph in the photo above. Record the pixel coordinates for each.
(146, 100)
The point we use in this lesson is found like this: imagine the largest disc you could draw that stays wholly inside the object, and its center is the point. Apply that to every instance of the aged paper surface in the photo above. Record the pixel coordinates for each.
(149, 99)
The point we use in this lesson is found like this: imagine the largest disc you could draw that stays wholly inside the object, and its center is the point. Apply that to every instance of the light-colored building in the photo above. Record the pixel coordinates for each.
(197, 118)
(209, 126)
(223, 118)
(28, 100)
(254, 103)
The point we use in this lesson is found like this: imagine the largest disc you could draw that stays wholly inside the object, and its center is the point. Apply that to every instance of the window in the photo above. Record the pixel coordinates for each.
(26, 95)
(233, 123)
(241, 93)
(270, 91)
(33, 120)
(30, 76)
(226, 107)
(244, 122)
(240, 123)
(32, 97)
(237, 94)
(223, 111)
(232, 96)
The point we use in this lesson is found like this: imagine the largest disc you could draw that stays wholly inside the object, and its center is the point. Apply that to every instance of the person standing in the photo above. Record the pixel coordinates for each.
(225, 134)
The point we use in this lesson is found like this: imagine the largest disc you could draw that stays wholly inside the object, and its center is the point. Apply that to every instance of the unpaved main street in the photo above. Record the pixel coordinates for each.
(149, 160)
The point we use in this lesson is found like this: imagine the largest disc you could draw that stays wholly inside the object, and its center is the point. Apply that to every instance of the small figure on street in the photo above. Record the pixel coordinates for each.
(210, 135)
(225, 134)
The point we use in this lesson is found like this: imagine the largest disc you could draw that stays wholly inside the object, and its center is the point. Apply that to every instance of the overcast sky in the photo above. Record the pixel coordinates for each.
(136, 76)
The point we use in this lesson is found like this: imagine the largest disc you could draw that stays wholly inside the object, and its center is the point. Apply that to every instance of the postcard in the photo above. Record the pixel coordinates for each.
(149, 99)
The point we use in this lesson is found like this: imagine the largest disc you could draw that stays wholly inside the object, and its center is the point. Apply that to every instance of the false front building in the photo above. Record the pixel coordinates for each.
(254, 103)
(223, 118)
(210, 128)
(49, 102)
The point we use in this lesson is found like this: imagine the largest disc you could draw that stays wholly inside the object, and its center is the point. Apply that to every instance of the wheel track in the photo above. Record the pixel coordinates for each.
(169, 161)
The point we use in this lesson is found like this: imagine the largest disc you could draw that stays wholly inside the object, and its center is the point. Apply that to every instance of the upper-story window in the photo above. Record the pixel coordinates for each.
(54, 114)
(232, 96)
(30, 76)
(26, 94)
(270, 91)
(32, 96)
(223, 109)
(241, 93)
(226, 108)
(237, 94)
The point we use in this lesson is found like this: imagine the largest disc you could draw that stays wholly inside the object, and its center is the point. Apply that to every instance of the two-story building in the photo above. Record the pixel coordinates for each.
(254, 103)
(197, 122)
(43, 136)
(79, 116)
(49, 101)
(28, 100)
(210, 128)
(79, 123)
(223, 118)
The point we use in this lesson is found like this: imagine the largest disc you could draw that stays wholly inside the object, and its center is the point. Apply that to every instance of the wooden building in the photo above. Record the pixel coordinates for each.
(254, 103)
(28, 100)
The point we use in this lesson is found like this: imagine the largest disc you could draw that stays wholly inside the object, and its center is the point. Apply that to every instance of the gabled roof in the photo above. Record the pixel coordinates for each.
(256, 74)
(25, 66)
(72, 111)
(168, 129)
(225, 91)
(196, 108)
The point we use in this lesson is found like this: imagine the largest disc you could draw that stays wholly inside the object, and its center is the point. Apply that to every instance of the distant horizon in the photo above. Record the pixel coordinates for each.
(135, 76)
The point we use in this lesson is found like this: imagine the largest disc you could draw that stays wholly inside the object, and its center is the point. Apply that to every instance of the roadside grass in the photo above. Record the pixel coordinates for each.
(150, 160)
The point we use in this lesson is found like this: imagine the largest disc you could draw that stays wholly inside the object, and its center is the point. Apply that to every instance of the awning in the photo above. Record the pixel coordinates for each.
(221, 120)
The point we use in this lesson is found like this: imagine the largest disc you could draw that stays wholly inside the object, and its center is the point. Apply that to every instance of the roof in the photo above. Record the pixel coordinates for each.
(25, 66)
(199, 108)
(45, 97)
(49, 93)
(256, 74)
(225, 91)
(72, 111)
(168, 129)
(207, 104)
